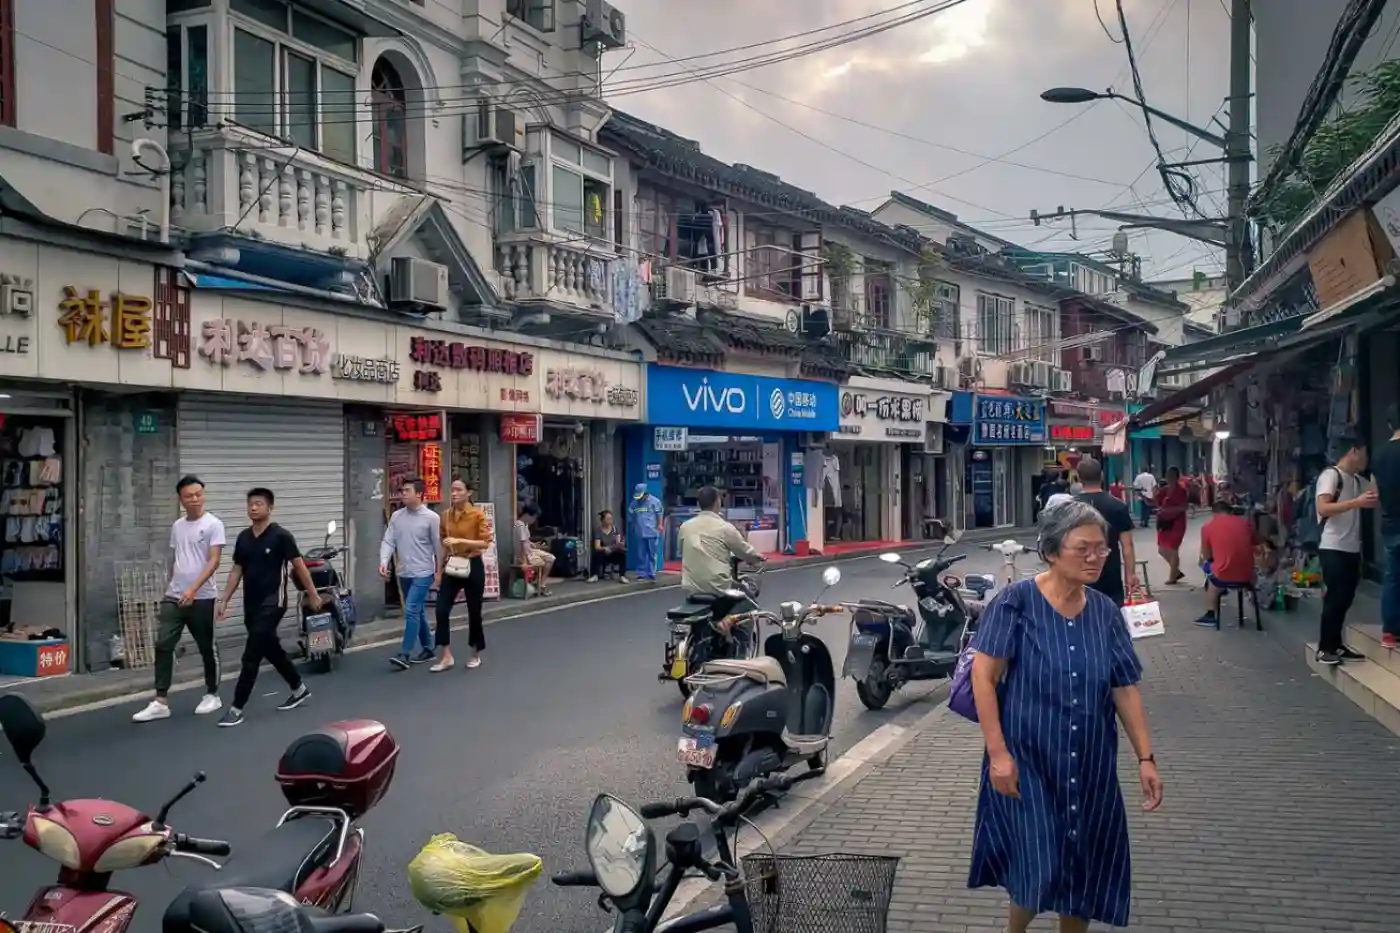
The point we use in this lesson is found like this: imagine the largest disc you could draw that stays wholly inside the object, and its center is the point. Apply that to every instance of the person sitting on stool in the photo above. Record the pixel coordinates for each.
(1227, 556)
(609, 549)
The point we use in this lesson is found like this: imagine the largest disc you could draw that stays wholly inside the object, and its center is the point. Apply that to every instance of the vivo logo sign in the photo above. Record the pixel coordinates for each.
(706, 397)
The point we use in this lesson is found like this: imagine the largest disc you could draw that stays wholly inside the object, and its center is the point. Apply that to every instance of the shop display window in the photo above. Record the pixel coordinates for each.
(31, 475)
(746, 470)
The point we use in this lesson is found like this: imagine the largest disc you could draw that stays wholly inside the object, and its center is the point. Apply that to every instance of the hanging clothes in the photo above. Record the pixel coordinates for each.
(717, 235)
(831, 476)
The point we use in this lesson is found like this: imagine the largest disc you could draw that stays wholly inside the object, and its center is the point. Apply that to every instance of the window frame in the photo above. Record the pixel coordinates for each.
(521, 10)
(1002, 339)
(557, 163)
(384, 109)
(1042, 333)
(284, 42)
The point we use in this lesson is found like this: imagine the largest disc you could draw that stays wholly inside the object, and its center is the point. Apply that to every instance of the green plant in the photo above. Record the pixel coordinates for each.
(840, 260)
(1337, 144)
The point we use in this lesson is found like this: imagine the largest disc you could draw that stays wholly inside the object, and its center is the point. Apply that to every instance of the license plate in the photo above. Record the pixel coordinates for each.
(680, 632)
(320, 642)
(864, 640)
(697, 751)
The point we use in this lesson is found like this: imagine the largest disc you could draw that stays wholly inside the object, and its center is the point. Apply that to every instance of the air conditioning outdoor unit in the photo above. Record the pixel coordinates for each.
(1092, 354)
(493, 126)
(1040, 375)
(417, 282)
(1064, 380)
(681, 285)
(1019, 374)
(970, 367)
(946, 377)
(604, 24)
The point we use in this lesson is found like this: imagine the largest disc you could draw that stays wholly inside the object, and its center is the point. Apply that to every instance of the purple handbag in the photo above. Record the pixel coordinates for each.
(960, 698)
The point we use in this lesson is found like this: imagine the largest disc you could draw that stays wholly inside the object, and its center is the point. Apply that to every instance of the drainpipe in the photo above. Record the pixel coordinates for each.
(162, 174)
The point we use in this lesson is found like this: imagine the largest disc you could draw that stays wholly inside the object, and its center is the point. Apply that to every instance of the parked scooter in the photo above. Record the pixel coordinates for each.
(892, 645)
(750, 717)
(694, 636)
(325, 635)
(330, 777)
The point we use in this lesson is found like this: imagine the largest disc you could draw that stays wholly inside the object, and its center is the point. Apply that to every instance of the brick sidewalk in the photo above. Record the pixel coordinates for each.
(1279, 814)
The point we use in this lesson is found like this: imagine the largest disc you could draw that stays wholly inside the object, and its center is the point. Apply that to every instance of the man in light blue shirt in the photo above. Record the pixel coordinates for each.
(648, 522)
(413, 541)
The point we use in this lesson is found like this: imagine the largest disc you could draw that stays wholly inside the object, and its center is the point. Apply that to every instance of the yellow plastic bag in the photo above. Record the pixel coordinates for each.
(470, 885)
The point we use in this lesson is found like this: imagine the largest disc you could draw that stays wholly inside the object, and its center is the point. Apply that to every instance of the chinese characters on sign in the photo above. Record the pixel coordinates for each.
(16, 296)
(425, 380)
(623, 397)
(670, 439)
(886, 407)
(86, 317)
(515, 395)
(279, 347)
(1071, 432)
(361, 369)
(585, 385)
(456, 355)
(430, 468)
(407, 427)
(520, 429)
(999, 420)
(51, 659)
(802, 405)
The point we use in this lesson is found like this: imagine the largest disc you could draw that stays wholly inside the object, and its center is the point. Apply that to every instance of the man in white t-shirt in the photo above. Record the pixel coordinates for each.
(1145, 485)
(1341, 494)
(196, 545)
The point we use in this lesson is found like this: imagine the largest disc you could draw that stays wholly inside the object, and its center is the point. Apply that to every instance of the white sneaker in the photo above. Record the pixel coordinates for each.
(210, 704)
(593, 579)
(153, 711)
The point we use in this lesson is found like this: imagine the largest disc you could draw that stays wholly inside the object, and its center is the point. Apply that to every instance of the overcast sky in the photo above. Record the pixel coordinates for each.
(965, 79)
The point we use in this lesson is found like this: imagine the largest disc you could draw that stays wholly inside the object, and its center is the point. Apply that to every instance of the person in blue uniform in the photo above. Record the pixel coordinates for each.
(647, 518)
(1054, 668)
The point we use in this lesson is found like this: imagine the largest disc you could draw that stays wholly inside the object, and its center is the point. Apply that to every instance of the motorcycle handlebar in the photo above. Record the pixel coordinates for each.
(199, 846)
(574, 879)
(728, 813)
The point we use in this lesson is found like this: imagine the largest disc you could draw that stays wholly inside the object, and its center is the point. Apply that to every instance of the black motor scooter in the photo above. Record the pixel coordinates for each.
(891, 645)
(325, 635)
(751, 717)
(694, 637)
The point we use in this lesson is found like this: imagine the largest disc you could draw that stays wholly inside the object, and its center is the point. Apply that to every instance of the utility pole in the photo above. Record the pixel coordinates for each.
(1238, 251)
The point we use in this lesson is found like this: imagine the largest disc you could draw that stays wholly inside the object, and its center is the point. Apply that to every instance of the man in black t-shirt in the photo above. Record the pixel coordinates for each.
(260, 559)
(1385, 469)
(1120, 533)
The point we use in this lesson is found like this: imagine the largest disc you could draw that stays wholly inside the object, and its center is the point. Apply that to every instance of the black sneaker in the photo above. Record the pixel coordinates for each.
(299, 696)
(231, 717)
(1350, 654)
(399, 662)
(422, 657)
(1330, 658)
(1207, 621)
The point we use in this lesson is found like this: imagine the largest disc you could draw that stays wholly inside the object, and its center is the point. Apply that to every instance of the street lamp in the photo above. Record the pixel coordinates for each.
(1082, 95)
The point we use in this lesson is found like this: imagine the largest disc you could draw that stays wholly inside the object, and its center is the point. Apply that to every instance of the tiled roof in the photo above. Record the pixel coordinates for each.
(670, 154)
(680, 340)
(704, 342)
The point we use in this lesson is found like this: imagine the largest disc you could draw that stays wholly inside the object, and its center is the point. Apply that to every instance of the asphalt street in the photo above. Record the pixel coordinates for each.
(507, 756)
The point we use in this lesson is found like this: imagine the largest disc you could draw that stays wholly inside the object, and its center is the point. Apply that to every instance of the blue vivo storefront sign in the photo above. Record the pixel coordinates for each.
(705, 398)
(1005, 419)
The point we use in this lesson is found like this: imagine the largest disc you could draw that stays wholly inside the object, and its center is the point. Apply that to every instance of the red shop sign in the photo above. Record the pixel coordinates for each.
(1071, 432)
(457, 355)
(1108, 417)
(520, 429)
(408, 427)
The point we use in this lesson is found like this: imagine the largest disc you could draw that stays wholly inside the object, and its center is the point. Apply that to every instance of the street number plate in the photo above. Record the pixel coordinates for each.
(696, 751)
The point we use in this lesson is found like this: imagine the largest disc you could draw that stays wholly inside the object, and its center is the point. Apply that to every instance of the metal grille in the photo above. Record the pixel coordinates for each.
(140, 587)
(820, 893)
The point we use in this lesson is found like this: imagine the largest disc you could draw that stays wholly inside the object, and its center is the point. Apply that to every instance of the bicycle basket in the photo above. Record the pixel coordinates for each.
(834, 893)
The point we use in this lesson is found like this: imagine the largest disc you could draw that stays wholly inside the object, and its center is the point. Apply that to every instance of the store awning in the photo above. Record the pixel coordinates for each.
(1184, 397)
(1227, 348)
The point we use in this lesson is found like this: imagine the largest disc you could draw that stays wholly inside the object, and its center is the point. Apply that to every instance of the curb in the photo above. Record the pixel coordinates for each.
(384, 631)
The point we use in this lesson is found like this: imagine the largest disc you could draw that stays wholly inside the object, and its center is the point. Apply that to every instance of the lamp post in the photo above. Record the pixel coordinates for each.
(1080, 95)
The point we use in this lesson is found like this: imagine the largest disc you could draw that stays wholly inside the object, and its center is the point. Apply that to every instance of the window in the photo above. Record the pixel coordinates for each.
(1042, 334)
(294, 77)
(7, 62)
(774, 262)
(187, 76)
(389, 101)
(580, 192)
(996, 324)
(947, 314)
(879, 295)
(537, 14)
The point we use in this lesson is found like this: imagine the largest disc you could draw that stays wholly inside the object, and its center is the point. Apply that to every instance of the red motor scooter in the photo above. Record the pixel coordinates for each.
(330, 778)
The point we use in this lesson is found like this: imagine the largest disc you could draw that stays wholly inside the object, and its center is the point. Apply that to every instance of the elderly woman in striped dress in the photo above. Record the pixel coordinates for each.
(1054, 668)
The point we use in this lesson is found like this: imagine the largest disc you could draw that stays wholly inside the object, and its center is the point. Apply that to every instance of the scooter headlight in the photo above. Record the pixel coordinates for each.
(56, 842)
(129, 853)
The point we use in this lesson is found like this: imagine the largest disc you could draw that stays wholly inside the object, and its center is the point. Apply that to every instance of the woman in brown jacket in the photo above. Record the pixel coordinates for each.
(466, 533)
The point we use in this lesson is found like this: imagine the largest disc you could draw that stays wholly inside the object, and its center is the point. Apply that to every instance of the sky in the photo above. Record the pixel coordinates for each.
(950, 104)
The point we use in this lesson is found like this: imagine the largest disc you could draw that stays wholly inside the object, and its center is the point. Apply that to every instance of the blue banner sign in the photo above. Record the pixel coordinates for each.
(706, 398)
(1003, 419)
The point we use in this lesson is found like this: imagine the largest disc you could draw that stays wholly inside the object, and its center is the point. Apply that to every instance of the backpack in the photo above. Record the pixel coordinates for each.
(1309, 523)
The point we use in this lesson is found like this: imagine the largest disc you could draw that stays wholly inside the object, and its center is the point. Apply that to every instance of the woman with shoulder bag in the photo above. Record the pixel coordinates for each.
(466, 534)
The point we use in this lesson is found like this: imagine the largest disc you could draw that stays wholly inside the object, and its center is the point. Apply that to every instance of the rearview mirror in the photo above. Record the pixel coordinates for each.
(23, 726)
(618, 844)
(890, 557)
(831, 576)
(330, 528)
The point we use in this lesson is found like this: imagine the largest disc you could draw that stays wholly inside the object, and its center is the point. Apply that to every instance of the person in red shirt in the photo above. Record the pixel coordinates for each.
(1171, 505)
(1227, 556)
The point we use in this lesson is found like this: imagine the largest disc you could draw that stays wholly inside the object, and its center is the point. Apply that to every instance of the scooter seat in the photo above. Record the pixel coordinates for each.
(694, 606)
(280, 859)
(764, 670)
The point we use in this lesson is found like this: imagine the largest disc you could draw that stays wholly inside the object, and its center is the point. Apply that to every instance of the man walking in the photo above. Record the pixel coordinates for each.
(261, 554)
(1341, 492)
(1145, 486)
(648, 522)
(1386, 470)
(196, 544)
(1121, 562)
(413, 542)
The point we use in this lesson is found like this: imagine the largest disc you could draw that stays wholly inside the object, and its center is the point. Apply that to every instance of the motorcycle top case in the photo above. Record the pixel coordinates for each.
(348, 765)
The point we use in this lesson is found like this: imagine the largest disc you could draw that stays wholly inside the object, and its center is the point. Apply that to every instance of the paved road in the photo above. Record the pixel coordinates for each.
(507, 756)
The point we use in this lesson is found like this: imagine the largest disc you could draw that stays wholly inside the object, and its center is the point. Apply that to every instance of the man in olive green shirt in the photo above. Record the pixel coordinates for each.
(708, 542)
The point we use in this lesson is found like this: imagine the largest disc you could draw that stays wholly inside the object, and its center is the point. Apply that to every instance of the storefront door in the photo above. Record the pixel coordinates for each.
(1003, 491)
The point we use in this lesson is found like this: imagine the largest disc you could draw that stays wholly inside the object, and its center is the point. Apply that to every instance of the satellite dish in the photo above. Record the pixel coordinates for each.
(794, 322)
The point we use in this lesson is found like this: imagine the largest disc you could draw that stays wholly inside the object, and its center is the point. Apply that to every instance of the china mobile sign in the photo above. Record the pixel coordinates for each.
(711, 399)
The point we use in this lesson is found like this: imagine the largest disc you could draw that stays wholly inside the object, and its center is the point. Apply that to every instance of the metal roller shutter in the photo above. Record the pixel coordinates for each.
(296, 448)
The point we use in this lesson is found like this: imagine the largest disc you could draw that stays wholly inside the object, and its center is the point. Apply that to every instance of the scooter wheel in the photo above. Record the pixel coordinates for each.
(325, 664)
(686, 689)
(875, 690)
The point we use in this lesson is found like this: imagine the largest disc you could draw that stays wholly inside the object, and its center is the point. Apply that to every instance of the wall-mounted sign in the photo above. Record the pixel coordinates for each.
(363, 369)
(705, 398)
(457, 355)
(623, 397)
(520, 429)
(1082, 433)
(412, 427)
(670, 439)
(426, 380)
(16, 295)
(1002, 419)
(147, 422)
(88, 317)
(12, 344)
(225, 342)
(515, 395)
(587, 385)
(883, 416)
(430, 468)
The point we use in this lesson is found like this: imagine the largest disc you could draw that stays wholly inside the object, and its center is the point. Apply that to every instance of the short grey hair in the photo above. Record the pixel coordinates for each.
(1057, 521)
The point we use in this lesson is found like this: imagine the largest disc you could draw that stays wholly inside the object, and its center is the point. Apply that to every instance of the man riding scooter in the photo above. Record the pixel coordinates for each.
(708, 545)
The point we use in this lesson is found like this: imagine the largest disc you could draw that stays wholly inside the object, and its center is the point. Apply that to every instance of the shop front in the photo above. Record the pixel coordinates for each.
(1076, 430)
(1006, 436)
(752, 437)
(864, 465)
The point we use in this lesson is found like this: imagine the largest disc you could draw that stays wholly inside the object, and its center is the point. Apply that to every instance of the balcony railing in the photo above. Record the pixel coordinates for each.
(230, 178)
(532, 268)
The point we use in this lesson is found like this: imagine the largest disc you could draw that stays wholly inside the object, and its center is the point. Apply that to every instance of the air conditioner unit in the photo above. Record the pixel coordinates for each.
(1091, 354)
(417, 282)
(681, 285)
(933, 439)
(493, 126)
(946, 377)
(604, 24)
(970, 367)
(813, 438)
(816, 321)
(1064, 380)
(1040, 374)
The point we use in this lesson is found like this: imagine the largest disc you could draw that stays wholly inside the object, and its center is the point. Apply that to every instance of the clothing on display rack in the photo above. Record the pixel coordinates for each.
(555, 485)
(31, 503)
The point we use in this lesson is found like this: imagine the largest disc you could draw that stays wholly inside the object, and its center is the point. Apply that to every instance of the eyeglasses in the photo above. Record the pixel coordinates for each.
(1084, 553)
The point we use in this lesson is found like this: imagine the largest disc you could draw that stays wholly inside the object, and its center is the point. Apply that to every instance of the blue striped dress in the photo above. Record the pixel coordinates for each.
(1063, 846)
